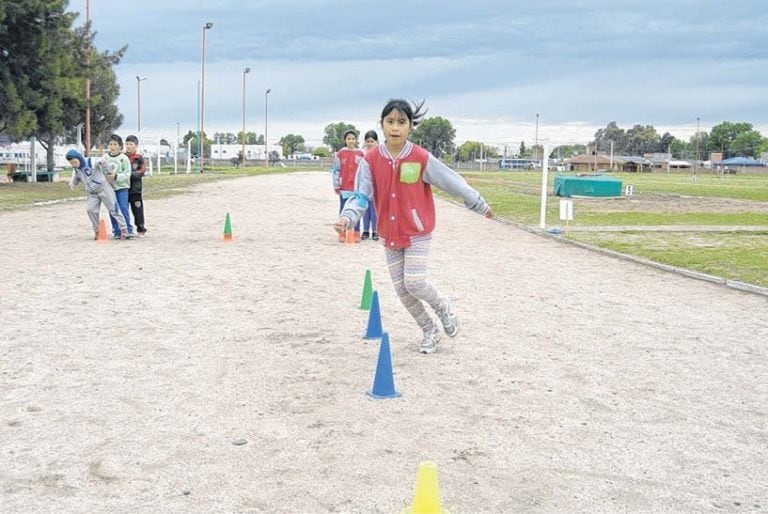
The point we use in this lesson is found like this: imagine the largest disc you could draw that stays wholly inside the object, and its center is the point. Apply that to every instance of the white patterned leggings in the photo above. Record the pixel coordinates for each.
(408, 269)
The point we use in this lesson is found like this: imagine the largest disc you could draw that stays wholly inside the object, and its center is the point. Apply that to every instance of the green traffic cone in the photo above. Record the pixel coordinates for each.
(365, 302)
(227, 229)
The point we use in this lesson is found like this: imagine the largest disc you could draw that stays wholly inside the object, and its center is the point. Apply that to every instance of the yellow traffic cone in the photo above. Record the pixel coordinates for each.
(426, 498)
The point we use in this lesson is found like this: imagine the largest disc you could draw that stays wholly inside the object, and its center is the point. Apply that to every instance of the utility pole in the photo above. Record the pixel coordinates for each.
(88, 82)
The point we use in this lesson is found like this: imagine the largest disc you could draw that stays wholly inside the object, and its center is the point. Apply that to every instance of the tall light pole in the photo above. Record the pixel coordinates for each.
(201, 141)
(88, 83)
(242, 158)
(266, 126)
(138, 103)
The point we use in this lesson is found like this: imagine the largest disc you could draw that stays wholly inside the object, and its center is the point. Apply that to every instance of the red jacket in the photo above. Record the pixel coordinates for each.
(404, 203)
(348, 161)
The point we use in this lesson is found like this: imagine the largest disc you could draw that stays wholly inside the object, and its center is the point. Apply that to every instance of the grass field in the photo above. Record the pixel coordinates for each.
(733, 202)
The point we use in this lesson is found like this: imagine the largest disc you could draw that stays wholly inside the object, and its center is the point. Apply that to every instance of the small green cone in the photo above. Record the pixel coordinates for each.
(227, 229)
(365, 302)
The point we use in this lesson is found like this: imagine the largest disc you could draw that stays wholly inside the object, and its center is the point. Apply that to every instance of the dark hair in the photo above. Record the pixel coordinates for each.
(132, 139)
(414, 114)
(348, 132)
(371, 134)
(116, 138)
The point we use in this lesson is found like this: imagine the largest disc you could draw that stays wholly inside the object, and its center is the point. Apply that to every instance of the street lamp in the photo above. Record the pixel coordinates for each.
(200, 139)
(242, 158)
(266, 125)
(138, 102)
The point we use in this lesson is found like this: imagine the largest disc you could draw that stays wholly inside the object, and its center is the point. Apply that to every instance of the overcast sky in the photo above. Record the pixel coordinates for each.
(487, 66)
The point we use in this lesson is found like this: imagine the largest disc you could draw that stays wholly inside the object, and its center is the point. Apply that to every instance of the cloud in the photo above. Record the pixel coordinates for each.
(487, 66)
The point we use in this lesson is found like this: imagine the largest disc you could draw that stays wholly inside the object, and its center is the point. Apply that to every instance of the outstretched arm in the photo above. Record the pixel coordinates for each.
(445, 178)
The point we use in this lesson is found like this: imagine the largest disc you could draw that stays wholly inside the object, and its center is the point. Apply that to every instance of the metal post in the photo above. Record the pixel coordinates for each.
(544, 172)
(536, 139)
(266, 127)
(698, 139)
(242, 157)
(207, 26)
(176, 151)
(138, 103)
(199, 139)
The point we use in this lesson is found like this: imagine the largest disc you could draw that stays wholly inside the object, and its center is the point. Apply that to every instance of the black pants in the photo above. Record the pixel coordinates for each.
(137, 209)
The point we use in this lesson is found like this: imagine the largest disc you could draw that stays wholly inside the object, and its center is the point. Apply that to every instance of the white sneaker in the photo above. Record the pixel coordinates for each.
(429, 341)
(448, 319)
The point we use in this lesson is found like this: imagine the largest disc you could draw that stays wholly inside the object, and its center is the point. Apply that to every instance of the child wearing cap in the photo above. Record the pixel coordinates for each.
(98, 190)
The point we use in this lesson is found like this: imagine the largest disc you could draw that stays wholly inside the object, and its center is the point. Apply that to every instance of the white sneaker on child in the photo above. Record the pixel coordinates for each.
(448, 318)
(430, 340)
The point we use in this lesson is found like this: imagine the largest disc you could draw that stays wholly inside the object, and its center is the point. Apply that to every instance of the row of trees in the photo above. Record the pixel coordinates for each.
(44, 64)
(437, 135)
(730, 139)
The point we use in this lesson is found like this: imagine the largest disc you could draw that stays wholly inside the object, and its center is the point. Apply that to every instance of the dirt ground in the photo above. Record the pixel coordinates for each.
(179, 373)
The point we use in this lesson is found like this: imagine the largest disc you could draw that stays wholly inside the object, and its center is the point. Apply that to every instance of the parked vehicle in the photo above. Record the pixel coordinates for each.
(508, 163)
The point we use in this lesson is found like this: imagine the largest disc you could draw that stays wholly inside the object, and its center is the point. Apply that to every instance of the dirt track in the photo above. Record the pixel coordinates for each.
(579, 382)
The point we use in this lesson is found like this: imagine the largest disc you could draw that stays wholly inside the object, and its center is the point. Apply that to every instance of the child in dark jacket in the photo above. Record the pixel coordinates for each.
(397, 177)
(138, 167)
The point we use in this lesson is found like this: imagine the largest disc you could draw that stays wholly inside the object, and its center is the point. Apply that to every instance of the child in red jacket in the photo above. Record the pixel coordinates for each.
(397, 177)
(344, 171)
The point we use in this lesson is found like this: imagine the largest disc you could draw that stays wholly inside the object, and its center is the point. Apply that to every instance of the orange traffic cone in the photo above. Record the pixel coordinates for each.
(102, 230)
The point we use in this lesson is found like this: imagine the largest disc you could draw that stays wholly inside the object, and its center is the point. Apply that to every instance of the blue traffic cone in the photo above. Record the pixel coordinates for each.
(374, 330)
(383, 381)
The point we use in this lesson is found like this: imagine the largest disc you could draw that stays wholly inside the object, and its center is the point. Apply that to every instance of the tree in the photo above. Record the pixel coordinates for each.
(291, 143)
(334, 134)
(640, 140)
(469, 150)
(105, 116)
(250, 138)
(435, 134)
(746, 144)
(39, 80)
(681, 150)
(523, 152)
(43, 67)
(29, 40)
(611, 133)
(193, 136)
(322, 152)
(763, 147)
(723, 134)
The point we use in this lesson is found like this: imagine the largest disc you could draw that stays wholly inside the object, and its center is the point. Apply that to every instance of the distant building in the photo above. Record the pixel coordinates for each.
(601, 162)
